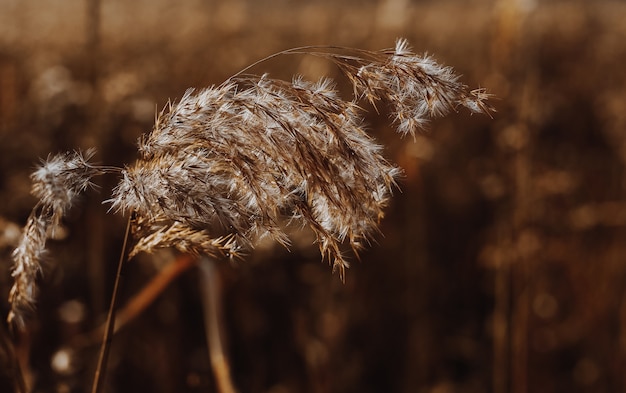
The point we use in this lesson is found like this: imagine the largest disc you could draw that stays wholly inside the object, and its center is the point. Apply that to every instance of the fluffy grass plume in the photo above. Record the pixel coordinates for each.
(56, 183)
(230, 164)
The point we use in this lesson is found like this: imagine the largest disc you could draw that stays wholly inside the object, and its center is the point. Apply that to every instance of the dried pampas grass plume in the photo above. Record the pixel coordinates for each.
(230, 164)
(57, 183)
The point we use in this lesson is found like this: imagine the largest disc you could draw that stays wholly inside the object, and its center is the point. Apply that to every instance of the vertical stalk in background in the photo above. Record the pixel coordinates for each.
(511, 275)
(94, 217)
(501, 320)
(93, 24)
(621, 353)
(417, 280)
(521, 276)
(523, 263)
(210, 287)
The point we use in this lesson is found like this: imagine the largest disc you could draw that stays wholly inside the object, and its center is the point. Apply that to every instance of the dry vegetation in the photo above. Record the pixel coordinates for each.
(499, 266)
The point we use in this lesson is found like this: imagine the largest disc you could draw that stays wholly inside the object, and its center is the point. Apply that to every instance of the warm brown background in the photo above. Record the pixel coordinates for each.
(501, 267)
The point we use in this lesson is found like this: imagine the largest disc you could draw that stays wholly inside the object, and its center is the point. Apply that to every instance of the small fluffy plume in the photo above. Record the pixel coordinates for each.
(57, 184)
(158, 233)
(415, 87)
(27, 259)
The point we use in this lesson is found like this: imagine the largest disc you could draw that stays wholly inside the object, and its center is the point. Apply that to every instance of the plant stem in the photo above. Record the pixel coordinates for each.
(110, 324)
(153, 289)
(140, 301)
(210, 287)
(13, 367)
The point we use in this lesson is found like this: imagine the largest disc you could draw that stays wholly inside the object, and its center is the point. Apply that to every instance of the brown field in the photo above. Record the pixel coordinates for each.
(501, 263)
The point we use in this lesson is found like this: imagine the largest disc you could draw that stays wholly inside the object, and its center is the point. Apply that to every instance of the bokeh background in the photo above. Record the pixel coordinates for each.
(501, 264)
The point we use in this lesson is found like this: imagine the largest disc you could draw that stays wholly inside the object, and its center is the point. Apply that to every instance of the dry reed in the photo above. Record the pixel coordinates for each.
(230, 164)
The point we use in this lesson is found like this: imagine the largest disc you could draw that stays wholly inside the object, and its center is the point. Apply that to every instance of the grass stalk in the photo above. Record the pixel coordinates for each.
(110, 324)
(211, 300)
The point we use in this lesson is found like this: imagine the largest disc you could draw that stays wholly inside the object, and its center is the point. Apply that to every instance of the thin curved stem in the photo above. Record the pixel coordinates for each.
(311, 50)
(110, 324)
(141, 300)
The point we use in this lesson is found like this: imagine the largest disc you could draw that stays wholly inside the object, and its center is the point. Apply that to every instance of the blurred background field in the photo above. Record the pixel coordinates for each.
(501, 264)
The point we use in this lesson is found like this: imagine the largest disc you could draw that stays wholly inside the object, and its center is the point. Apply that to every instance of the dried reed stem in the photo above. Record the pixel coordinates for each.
(154, 288)
(141, 300)
(110, 323)
(211, 301)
